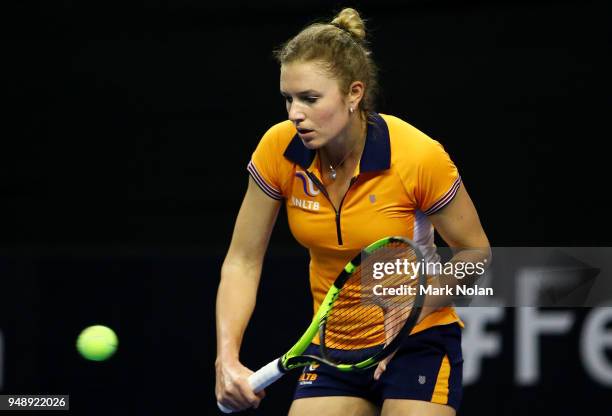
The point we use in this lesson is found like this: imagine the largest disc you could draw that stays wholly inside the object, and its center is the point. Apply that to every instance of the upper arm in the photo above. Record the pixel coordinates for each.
(458, 223)
(253, 227)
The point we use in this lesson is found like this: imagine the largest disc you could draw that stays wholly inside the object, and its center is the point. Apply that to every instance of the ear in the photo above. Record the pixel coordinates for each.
(355, 94)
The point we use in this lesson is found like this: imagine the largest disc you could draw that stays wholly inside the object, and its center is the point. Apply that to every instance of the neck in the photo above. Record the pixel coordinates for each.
(347, 145)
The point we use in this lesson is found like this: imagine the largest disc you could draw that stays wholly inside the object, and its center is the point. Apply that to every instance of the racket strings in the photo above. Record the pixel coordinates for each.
(350, 315)
(345, 313)
(394, 315)
(392, 322)
(360, 314)
(360, 290)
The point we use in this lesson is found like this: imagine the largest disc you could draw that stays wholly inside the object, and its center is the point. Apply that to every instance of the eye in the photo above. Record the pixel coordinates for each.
(311, 100)
(287, 99)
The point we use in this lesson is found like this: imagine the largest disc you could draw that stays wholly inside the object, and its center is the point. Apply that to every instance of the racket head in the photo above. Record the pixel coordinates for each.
(358, 308)
(349, 299)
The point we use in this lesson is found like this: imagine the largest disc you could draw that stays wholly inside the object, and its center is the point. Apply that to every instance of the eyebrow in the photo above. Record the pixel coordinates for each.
(307, 92)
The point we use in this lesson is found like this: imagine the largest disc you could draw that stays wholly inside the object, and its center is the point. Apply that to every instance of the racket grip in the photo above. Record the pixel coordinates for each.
(260, 379)
(265, 376)
(224, 409)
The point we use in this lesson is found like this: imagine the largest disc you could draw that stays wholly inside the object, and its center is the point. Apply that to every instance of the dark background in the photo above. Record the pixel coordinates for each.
(124, 152)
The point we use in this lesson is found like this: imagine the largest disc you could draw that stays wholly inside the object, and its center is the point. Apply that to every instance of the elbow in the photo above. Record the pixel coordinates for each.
(488, 255)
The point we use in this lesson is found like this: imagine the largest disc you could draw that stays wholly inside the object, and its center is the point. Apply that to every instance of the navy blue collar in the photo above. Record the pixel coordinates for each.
(376, 154)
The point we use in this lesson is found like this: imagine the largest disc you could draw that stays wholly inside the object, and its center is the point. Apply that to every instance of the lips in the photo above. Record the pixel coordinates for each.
(304, 131)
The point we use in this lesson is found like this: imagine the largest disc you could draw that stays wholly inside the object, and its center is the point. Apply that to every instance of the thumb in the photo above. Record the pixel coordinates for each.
(380, 368)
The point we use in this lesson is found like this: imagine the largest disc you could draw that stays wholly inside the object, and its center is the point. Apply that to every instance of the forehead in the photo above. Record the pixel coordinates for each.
(303, 76)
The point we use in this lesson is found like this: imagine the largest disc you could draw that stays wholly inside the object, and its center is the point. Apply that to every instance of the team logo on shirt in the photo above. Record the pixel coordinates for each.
(305, 204)
(309, 188)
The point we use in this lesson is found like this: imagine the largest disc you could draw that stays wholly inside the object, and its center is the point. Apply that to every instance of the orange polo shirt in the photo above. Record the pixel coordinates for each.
(403, 176)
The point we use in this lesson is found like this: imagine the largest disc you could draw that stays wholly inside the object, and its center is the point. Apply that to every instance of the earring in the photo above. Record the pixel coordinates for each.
(351, 110)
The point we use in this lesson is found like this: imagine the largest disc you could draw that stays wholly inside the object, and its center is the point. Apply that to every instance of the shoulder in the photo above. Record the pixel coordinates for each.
(279, 135)
(404, 136)
(409, 144)
(268, 165)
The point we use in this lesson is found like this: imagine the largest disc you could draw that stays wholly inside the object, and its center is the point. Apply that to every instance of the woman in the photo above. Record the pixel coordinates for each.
(348, 176)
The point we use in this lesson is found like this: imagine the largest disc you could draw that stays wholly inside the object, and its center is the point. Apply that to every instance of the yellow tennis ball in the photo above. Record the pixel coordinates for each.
(97, 343)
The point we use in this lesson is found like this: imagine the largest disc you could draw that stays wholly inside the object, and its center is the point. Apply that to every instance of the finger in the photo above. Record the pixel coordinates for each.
(260, 395)
(226, 402)
(236, 397)
(251, 398)
(380, 368)
(229, 404)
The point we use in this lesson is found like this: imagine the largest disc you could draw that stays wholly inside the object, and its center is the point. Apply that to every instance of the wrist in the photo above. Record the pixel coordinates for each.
(228, 348)
(227, 353)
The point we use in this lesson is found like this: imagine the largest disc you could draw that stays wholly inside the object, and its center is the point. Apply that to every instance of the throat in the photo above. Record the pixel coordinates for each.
(341, 156)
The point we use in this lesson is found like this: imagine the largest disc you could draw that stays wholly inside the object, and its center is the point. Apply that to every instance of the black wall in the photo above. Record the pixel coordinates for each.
(124, 152)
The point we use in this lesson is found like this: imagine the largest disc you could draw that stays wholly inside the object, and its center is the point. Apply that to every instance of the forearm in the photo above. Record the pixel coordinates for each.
(235, 303)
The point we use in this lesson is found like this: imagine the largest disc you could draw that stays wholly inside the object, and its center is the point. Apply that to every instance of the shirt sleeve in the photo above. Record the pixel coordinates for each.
(438, 179)
(264, 164)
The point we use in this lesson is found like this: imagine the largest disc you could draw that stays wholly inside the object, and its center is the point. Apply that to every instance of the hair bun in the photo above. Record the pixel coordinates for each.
(349, 20)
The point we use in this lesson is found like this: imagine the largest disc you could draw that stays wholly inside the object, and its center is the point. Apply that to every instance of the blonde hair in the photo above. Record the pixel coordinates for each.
(341, 47)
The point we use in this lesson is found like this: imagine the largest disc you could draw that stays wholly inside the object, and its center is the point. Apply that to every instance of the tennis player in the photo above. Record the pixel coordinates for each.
(347, 177)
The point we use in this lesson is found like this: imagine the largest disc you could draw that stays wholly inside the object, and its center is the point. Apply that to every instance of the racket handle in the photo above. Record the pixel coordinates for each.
(224, 409)
(265, 376)
(260, 379)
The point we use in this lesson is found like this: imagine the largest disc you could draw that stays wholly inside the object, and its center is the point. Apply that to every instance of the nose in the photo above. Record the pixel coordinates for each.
(296, 114)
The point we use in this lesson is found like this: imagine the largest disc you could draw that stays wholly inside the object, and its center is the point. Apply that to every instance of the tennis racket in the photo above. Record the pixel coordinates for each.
(356, 308)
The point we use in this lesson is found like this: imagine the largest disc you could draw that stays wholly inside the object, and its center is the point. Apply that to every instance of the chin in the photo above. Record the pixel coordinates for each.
(313, 144)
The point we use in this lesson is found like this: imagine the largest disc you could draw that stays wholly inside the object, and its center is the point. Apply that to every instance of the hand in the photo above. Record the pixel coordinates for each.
(232, 386)
(382, 366)
(391, 317)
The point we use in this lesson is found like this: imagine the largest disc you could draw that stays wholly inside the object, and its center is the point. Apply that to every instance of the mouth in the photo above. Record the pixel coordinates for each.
(304, 131)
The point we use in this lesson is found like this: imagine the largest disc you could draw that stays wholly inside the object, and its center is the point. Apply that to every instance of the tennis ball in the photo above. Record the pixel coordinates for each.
(97, 342)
